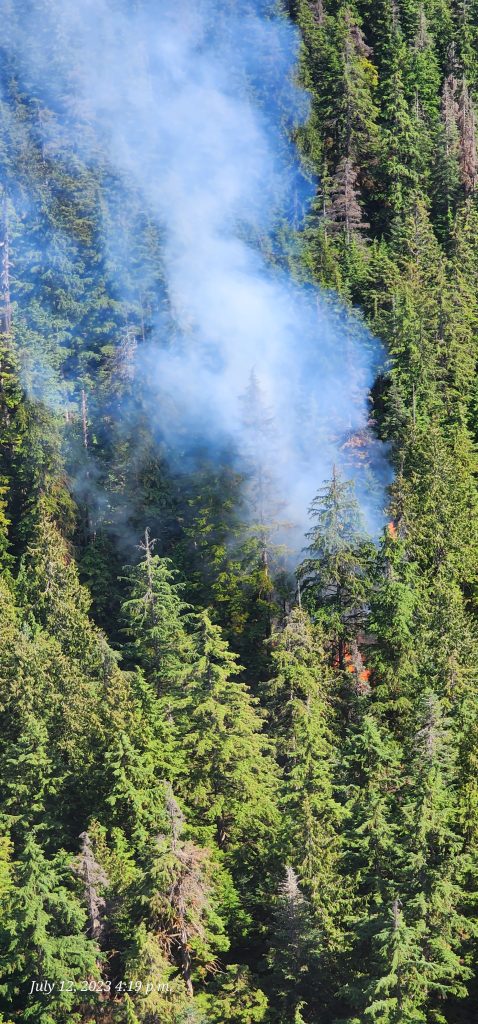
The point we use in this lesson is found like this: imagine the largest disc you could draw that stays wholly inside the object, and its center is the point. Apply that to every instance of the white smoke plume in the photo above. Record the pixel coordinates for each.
(195, 101)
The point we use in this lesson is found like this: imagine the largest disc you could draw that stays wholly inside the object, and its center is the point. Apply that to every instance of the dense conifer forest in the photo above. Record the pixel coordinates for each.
(238, 772)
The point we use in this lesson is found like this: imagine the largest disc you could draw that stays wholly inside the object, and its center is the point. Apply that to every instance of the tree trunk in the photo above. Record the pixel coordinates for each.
(6, 309)
(186, 963)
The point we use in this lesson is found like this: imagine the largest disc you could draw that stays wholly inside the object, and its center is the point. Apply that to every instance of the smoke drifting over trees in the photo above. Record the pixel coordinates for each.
(196, 104)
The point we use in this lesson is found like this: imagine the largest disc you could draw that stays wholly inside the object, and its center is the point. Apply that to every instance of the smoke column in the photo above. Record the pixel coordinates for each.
(195, 101)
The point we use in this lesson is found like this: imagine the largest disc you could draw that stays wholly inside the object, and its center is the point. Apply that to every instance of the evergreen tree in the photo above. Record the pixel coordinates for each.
(300, 698)
(369, 780)
(134, 790)
(393, 658)
(178, 898)
(335, 575)
(155, 616)
(294, 956)
(434, 869)
(42, 939)
(230, 774)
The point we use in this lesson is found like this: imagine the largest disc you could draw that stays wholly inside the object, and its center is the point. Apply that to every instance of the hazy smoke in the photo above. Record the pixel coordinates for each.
(195, 101)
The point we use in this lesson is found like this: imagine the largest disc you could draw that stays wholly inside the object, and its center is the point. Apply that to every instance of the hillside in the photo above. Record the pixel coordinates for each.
(238, 512)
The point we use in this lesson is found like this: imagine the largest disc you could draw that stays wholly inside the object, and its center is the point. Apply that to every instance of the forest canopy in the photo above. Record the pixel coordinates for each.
(238, 512)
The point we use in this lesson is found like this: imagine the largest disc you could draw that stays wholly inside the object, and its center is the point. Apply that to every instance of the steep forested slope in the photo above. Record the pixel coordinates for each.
(233, 788)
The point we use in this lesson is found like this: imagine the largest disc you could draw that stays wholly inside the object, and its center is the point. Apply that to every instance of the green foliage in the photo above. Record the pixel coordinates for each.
(335, 575)
(155, 613)
(41, 938)
(301, 700)
(346, 747)
(294, 953)
(234, 999)
(229, 773)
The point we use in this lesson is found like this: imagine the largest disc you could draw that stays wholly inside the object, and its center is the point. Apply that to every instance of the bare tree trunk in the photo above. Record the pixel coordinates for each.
(148, 549)
(93, 877)
(84, 418)
(221, 831)
(186, 962)
(90, 528)
(318, 10)
(6, 309)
